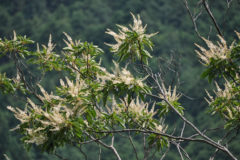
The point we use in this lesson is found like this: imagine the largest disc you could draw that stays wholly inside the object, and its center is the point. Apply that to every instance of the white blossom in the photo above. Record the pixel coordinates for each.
(74, 88)
(121, 75)
(49, 50)
(215, 51)
(47, 97)
(36, 136)
(121, 37)
(137, 107)
(227, 92)
(69, 42)
(161, 128)
(22, 115)
(169, 94)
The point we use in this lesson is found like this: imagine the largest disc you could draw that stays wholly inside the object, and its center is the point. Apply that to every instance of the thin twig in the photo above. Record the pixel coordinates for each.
(59, 156)
(111, 147)
(208, 140)
(144, 146)
(184, 123)
(100, 152)
(192, 18)
(134, 148)
(84, 154)
(224, 137)
(206, 6)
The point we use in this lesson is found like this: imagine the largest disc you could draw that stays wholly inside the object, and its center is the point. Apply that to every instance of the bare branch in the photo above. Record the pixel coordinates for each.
(206, 139)
(206, 6)
(144, 146)
(156, 79)
(226, 143)
(192, 18)
(185, 153)
(184, 123)
(59, 156)
(100, 152)
(134, 148)
(180, 150)
(83, 153)
(111, 147)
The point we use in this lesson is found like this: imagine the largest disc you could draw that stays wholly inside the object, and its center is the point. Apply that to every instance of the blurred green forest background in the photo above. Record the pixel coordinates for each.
(88, 20)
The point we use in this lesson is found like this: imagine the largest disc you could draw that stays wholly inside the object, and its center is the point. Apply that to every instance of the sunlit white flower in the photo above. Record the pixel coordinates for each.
(74, 88)
(47, 97)
(54, 119)
(22, 115)
(1, 44)
(215, 51)
(121, 37)
(227, 92)
(17, 80)
(36, 136)
(14, 36)
(48, 54)
(169, 94)
(58, 117)
(136, 106)
(69, 42)
(161, 128)
(141, 108)
(37, 139)
(238, 34)
(122, 75)
(7, 158)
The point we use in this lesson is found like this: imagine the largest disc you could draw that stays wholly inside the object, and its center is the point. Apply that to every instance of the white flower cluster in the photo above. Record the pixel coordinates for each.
(74, 89)
(169, 94)
(38, 119)
(135, 107)
(140, 112)
(121, 76)
(48, 54)
(121, 37)
(140, 108)
(161, 127)
(227, 92)
(45, 97)
(56, 118)
(215, 51)
(69, 42)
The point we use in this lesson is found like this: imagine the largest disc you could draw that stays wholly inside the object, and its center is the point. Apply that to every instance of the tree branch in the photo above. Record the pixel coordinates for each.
(206, 6)
(111, 147)
(192, 18)
(134, 148)
(208, 140)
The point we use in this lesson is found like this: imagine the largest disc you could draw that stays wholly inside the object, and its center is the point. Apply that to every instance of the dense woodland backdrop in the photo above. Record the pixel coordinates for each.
(88, 20)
